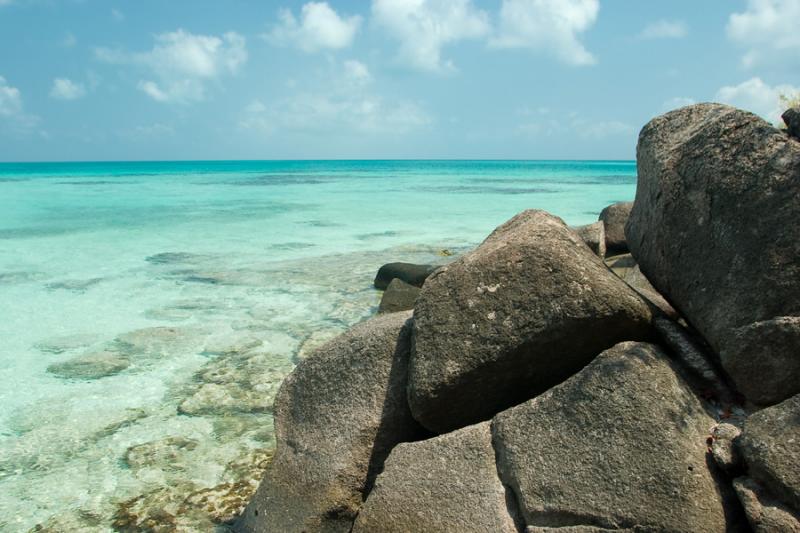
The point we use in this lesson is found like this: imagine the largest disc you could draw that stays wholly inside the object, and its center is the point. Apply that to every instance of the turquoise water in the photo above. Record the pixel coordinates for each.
(149, 311)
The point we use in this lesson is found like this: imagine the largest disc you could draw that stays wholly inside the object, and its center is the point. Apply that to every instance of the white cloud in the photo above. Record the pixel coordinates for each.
(768, 28)
(549, 25)
(543, 123)
(424, 27)
(756, 96)
(10, 99)
(183, 63)
(117, 15)
(319, 28)
(66, 89)
(665, 29)
(346, 105)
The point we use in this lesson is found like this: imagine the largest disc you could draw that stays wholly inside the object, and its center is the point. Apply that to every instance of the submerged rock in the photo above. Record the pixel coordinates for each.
(337, 416)
(399, 296)
(614, 218)
(448, 483)
(158, 452)
(156, 341)
(408, 272)
(528, 308)
(622, 444)
(714, 228)
(90, 366)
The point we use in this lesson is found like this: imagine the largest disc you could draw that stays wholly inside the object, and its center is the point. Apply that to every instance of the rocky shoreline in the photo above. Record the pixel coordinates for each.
(638, 374)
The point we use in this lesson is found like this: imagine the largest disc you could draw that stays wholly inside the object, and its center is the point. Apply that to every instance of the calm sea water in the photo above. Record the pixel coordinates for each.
(149, 311)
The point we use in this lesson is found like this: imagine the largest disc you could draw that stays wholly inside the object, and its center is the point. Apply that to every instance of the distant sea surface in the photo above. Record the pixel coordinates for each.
(149, 311)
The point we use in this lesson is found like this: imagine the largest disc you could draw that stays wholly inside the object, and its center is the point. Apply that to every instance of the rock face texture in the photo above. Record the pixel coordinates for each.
(770, 445)
(524, 311)
(448, 483)
(399, 296)
(337, 416)
(714, 228)
(619, 445)
(614, 218)
(594, 235)
(408, 272)
(765, 514)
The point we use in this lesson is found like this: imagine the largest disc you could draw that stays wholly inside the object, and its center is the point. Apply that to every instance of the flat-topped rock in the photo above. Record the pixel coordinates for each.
(448, 483)
(337, 417)
(715, 229)
(524, 311)
(622, 444)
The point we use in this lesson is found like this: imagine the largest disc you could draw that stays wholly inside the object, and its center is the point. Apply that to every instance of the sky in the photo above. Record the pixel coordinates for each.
(376, 79)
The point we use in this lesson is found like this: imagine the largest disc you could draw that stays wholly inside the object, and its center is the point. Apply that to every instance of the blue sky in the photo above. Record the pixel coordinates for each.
(236, 79)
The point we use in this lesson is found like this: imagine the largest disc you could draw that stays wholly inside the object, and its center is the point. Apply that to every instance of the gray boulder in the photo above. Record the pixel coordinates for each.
(448, 483)
(765, 514)
(524, 311)
(408, 272)
(398, 296)
(337, 416)
(594, 235)
(770, 445)
(622, 444)
(791, 117)
(614, 218)
(714, 228)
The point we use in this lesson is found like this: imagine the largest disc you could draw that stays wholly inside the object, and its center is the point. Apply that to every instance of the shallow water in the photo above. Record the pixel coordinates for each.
(149, 311)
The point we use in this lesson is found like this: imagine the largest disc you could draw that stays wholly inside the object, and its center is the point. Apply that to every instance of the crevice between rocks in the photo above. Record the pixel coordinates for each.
(511, 496)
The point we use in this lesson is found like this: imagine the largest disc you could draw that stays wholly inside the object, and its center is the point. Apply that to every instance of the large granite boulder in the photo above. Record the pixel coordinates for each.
(614, 218)
(524, 311)
(715, 229)
(409, 272)
(622, 444)
(398, 296)
(337, 417)
(765, 514)
(448, 483)
(770, 446)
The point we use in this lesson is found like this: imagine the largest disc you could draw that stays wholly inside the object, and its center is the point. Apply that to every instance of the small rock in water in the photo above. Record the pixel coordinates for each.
(164, 452)
(90, 366)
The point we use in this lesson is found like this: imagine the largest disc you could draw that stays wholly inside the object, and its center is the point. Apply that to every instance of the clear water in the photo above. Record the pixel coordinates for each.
(241, 267)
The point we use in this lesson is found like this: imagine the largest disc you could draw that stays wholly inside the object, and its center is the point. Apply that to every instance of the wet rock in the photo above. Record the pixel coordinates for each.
(448, 483)
(791, 117)
(765, 514)
(337, 416)
(408, 272)
(215, 399)
(90, 366)
(614, 218)
(714, 228)
(594, 235)
(399, 296)
(621, 444)
(528, 308)
(770, 445)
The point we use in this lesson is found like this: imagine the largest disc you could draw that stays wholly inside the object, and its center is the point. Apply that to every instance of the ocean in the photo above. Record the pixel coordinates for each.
(150, 310)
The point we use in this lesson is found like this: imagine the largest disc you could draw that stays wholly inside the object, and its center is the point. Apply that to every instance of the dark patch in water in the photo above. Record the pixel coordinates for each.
(169, 258)
(13, 278)
(465, 189)
(269, 180)
(202, 279)
(74, 285)
(367, 236)
(93, 182)
(292, 246)
(319, 224)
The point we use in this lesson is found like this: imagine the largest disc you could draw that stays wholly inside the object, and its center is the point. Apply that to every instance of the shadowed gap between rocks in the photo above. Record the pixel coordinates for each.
(397, 374)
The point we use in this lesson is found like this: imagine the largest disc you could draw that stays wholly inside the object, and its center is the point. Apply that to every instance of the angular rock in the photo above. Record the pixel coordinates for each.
(764, 513)
(524, 311)
(337, 416)
(408, 272)
(622, 444)
(791, 117)
(594, 235)
(639, 282)
(90, 366)
(448, 483)
(399, 296)
(722, 447)
(614, 218)
(714, 228)
(621, 265)
(770, 445)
